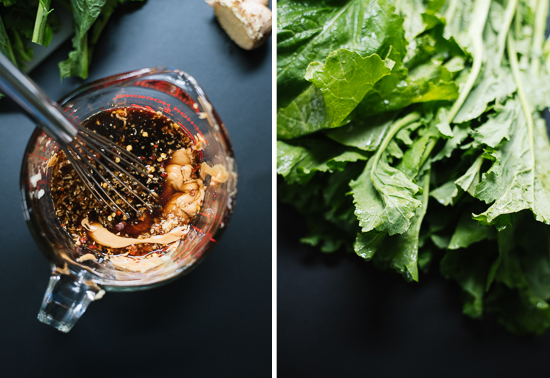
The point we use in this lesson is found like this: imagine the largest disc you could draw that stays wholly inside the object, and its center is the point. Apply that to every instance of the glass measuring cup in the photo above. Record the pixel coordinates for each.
(77, 281)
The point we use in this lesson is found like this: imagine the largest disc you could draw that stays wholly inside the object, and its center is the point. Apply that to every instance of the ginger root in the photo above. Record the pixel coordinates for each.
(247, 22)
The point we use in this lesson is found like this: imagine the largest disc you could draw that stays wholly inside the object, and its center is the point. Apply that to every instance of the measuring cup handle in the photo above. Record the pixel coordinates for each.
(66, 299)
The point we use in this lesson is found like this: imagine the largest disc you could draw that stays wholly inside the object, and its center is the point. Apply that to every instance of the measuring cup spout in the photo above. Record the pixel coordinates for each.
(66, 299)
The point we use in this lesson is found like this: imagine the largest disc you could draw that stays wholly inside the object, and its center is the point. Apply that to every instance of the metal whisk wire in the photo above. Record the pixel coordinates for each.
(84, 148)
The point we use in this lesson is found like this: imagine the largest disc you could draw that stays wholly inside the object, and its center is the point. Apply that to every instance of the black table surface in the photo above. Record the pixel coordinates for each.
(214, 322)
(338, 316)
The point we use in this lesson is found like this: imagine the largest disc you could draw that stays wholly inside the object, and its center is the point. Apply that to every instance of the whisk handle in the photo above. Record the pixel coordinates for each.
(21, 89)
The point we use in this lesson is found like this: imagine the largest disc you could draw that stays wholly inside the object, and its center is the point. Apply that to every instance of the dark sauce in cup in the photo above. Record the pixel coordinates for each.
(152, 138)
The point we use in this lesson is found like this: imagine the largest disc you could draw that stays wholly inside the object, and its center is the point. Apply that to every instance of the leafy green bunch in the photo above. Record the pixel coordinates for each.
(411, 132)
(24, 21)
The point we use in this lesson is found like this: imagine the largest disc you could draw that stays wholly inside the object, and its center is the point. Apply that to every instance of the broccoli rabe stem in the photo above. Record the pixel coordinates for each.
(512, 56)
(481, 10)
(538, 35)
(503, 32)
(450, 11)
(398, 125)
(39, 32)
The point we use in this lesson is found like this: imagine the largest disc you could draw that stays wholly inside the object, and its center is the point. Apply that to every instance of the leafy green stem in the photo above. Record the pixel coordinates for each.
(538, 35)
(450, 11)
(503, 32)
(481, 9)
(512, 54)
(398, 125)
(427, 152)
(426, 188)
(517, 22)
(39, 32)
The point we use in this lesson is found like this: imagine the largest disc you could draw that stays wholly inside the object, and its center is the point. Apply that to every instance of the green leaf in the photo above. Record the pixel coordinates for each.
(418, 16)
(309, 31)
(460, 132)
(393, 150)
(428, 82)
(493, 86)
(522, 276)
(442, 123)
(415, 156)
(446, 193)
(305, 115)
(367, 243)
(516, 312)
(469, 180)
(470, 269)
(497, 127)
(85, 13)
(5, 45)
(298, 162)
(22, 54)
(469, 231)
(400, 252)
(328, 211)
(509, 269)
(365, 135)
(344, 80)
(520, 178)
(384, 198)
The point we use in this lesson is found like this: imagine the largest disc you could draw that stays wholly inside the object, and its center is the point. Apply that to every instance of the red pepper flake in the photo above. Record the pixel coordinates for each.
(92, 246)
(164, 175)
(83, 239)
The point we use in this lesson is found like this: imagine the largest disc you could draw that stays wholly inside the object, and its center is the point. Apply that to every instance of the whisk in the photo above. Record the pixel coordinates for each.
(85, 149)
